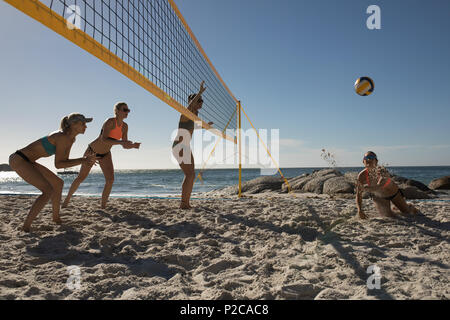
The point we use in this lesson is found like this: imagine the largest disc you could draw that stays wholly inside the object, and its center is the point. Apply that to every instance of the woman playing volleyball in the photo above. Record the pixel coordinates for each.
(383, 189)
(58, 143)
(114, 132)
(181, 148)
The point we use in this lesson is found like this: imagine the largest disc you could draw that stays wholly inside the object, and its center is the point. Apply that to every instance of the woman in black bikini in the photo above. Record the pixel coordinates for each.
(181, 148)
(59, 144)
(383, 189)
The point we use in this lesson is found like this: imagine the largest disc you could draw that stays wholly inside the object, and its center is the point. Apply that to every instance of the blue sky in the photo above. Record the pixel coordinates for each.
(291, 63)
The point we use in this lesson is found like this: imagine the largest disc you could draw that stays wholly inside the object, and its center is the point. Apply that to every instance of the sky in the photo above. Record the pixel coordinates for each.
(292, 64)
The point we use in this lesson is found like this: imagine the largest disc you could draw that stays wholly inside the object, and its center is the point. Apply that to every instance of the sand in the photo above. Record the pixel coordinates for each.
(270, 246)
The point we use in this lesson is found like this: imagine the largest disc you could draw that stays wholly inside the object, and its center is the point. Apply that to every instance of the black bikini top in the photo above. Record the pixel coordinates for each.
(188, 125)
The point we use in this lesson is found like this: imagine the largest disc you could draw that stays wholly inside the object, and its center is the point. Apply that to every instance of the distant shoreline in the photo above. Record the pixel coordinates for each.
(324, 167)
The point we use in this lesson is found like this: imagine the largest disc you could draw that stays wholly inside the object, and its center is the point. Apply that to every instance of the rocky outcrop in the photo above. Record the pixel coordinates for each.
(329, 181)
(411, 192)
(413, 189)
(411, 183)
(442, 183)
(262, 184)
(325, 181)
(337, 185)
(258, 185)
(5, 167)
(333, 182)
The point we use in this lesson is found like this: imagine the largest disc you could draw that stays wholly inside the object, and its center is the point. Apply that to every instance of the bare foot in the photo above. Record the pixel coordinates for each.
(65, 203)
(185, 206)
(395, 210)
(57, 220)
(26, 228)
(362, 215)
(413, 210)
(388, 215)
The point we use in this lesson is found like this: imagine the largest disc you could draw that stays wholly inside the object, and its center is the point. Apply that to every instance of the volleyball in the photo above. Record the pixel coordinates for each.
(364, 86)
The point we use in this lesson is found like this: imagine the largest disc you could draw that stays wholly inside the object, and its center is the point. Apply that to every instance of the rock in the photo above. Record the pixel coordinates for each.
(351, 177)
(442, 183)
(261, 184)
(337, 185)
(413, 192)
(318, 179)
(409, 182)
(326, 181)
(5, 167)
(315, 185)
(297, 183)
(326, 172)
(258, 185)
(418, 184)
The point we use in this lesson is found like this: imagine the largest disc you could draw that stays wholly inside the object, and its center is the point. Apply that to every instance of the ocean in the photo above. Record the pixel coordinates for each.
(167, 183)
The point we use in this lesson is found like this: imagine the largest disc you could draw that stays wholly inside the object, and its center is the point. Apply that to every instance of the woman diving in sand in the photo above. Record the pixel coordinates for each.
(181, 148)
(58, 143)
(114, 132)
(383, 189)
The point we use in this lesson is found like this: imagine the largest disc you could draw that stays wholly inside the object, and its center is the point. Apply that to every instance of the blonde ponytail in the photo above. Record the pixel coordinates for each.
(65, 124)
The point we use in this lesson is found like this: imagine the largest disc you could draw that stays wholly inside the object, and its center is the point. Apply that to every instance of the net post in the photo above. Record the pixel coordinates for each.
(214, 148)
(238, 106)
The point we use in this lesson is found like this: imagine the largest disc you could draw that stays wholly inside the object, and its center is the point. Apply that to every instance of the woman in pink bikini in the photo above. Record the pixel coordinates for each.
(382, 188)
(114, 132)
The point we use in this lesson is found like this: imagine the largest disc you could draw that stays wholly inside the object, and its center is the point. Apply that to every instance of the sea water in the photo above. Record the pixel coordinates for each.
(166, 183)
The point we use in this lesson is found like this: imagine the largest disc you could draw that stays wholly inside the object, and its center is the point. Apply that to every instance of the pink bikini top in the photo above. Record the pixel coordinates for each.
(368, 180)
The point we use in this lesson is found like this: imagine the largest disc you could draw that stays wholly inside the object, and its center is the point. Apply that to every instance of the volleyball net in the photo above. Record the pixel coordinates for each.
(148, 41)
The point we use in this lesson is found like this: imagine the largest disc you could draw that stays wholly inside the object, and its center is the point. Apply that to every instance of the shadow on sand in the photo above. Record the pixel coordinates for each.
(333, 239)
(61, 248)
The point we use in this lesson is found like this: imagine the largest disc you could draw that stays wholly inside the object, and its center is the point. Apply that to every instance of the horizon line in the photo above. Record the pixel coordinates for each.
(309, 167)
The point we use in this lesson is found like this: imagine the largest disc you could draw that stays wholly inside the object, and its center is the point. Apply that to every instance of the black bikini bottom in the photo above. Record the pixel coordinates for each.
(392, 197)
(24, 157)
(99, 155)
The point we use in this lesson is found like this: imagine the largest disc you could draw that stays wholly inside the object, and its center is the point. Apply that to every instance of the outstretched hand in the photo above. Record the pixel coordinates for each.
(131, 145)
(202, 88)
(127, 144)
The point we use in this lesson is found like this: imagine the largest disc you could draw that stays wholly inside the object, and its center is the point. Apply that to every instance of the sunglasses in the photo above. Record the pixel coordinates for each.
(370, 157)
(126, 110)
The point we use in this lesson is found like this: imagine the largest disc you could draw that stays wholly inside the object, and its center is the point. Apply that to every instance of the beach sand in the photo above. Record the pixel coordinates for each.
(269, 246)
